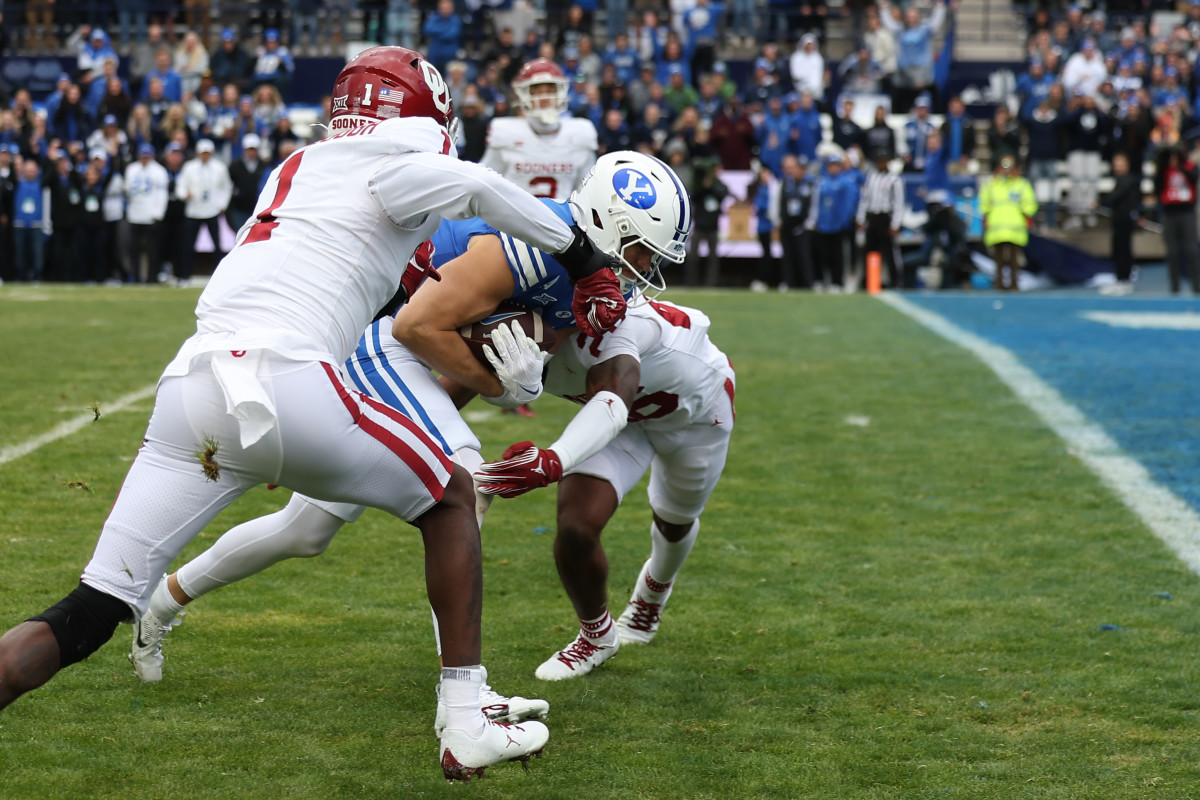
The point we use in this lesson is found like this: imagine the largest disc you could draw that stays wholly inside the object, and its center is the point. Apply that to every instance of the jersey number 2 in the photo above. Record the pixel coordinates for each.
(261, 230)
(544, 187)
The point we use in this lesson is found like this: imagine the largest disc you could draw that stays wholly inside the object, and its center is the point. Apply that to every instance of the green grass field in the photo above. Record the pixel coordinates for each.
(909, 608)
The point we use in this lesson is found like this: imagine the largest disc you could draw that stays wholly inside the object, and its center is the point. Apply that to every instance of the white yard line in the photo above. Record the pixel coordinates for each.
(13, 452)
(1172, 520)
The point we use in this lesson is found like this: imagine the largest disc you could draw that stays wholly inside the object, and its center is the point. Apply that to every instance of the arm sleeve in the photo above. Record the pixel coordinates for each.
(888, 21)
(419, 184)
(596, 424)
(938, 18)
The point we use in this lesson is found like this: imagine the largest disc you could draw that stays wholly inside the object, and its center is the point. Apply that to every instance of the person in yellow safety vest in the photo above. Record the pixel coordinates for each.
(1008, 204)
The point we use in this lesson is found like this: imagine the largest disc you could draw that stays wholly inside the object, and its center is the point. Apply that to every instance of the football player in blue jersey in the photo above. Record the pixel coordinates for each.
(631, 205)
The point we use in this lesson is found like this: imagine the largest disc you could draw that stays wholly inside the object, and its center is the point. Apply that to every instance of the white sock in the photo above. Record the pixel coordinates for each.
(666, 558)
(164, 607)
(460, 695)
(600, 631)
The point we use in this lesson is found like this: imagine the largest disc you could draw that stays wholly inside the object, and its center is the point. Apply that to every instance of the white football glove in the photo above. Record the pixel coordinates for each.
(518, 362)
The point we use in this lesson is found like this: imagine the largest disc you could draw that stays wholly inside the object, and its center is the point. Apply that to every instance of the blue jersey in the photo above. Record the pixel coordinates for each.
(539, 282)
(377, 367)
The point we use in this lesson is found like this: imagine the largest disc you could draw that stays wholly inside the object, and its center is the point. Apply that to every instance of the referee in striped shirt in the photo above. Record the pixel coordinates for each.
(880, 208)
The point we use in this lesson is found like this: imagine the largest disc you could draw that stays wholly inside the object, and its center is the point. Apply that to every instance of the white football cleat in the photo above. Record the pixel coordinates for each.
(578, 658)
(464, 758)
(639, 621)
(495, 706)
(146, 653)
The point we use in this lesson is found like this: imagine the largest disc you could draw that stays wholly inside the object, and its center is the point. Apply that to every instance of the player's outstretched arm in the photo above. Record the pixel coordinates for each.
(471, 287)
(612, 385)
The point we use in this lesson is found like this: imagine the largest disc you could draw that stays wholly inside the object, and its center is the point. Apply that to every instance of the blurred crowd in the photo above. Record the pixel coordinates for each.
(706, 86)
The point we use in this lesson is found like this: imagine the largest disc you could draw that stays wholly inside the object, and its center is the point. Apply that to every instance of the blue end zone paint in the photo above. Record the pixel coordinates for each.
(1141, 385)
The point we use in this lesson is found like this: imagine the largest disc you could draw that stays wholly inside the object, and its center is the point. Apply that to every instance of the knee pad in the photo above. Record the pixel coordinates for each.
(82, 622)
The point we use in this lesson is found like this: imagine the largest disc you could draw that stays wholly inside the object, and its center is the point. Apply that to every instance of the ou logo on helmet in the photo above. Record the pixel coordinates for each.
(437, 87)
(634, 188)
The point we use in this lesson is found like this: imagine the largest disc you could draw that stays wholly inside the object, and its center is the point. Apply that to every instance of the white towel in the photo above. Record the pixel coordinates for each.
(245, 398)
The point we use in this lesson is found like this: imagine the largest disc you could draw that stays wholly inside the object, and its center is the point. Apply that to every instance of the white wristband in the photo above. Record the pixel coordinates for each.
(596, 424)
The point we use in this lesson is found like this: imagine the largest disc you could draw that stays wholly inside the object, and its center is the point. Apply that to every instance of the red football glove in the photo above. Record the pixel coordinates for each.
(419, 267)
(598, 304)
(524, 466)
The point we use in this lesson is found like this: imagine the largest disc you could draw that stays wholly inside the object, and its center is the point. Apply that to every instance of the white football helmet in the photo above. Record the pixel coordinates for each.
(631, 198)
(543, 110)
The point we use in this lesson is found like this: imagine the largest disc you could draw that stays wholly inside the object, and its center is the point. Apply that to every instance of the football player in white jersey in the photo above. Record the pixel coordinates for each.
(257, 395)
(544, 151)
(657, 394)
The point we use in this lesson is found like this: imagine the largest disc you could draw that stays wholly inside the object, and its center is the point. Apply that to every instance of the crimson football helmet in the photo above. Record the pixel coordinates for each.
(384, 82)
(542, 109)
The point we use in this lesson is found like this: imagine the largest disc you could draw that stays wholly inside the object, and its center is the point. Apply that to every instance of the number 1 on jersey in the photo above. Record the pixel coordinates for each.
(261, 230)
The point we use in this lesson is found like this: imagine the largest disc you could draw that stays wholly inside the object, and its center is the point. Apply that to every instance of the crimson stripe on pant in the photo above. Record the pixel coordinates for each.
(353, 402)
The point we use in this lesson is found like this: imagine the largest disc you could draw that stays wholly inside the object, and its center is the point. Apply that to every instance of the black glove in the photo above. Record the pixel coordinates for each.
(582, 258)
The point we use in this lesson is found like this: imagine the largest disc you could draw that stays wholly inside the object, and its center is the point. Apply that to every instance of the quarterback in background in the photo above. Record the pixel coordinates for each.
(543, 151)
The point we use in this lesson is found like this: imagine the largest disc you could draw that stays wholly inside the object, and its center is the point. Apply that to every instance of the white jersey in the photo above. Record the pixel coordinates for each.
(545, 165)
(333, 229)
(685, 379)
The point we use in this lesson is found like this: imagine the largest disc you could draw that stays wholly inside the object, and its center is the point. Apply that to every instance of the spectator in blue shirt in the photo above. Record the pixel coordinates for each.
(96, 50)
(274, 64)
(937, 163)
(916, 134)
(805, 128)
(762, 192)
(914, 49)
(958, 134)
(54, 99)
(622, 56)
(1033, 85)
(172, 84)
(672, 60)
(1169, 91)
(443, 31)
(774, 134)
(702, 22)
(831, 217)
(99, 86)
(31, 222)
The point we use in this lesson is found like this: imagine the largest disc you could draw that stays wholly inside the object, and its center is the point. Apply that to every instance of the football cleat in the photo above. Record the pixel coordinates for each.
(639, 621)
(495, 707)
(578, 658)
(146, 653)
(464, 758)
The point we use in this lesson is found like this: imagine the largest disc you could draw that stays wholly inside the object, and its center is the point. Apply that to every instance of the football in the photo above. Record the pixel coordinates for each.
(477, 334)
